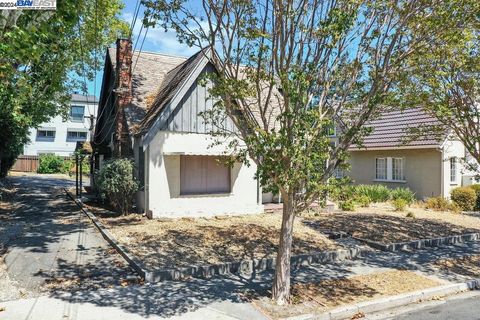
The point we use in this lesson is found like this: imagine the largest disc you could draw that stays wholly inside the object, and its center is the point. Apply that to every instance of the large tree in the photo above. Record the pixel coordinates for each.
(44, 56)
(445, 81)
(289, 69)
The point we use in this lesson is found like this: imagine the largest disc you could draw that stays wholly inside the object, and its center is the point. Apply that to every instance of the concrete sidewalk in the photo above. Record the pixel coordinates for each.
(56, 244)
(48, 308)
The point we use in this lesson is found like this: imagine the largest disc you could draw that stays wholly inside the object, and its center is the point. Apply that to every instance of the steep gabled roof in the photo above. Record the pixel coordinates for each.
(149, 70)
(393, 129)
(170, 85)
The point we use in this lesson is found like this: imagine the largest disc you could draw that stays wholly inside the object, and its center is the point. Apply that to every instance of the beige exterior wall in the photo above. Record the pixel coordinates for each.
(162, 196)
(423, 169)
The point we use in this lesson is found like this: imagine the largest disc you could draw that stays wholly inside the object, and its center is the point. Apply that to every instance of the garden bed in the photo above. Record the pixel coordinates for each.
(468, 266)
(328, 294)
(383, 225)
(167, 243)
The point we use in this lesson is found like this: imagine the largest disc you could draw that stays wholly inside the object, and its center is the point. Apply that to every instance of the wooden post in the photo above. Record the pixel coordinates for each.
(76, 175)
(81, 176)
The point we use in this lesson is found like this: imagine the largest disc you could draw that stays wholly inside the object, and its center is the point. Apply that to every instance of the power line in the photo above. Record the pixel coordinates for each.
(141, 47)
(134, 19)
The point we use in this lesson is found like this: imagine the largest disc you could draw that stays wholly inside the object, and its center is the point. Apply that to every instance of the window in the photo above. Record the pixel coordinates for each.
(77, 135)
(203, 175)
(381, 168)
(77, 113)
(397, 169)
(453, 169)
(45, 134)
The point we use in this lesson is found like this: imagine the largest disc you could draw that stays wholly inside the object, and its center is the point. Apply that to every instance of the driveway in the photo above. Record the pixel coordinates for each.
(52, 246)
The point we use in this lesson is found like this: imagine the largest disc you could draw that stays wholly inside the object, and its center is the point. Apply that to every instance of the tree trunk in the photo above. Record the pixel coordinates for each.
(281, 282)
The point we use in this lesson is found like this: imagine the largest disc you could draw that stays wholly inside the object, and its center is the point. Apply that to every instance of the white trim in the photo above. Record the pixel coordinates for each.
(392, 181)
(170, 107)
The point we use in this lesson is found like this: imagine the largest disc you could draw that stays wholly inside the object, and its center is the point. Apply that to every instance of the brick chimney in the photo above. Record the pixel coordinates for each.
(123, 91)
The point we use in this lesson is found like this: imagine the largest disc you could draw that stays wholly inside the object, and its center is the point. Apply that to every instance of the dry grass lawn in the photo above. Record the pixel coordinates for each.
(382, 224)
(466, 266)
(329, 294)
(186, 241)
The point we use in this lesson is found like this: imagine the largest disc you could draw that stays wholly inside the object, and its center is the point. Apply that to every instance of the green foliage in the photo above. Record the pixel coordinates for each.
(50, 163)
(404, 194)
(437, 204)
(343, 193)
(363, 201)
(400, 204)
(116, 184)
(347, 205)
(42, 62)
(69, 167)
(376, 192)
(476, 188)
(464, 197)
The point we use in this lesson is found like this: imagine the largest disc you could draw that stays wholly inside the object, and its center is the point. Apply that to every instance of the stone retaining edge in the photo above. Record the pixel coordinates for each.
(205, 271)
(391, 302)
(422, 243)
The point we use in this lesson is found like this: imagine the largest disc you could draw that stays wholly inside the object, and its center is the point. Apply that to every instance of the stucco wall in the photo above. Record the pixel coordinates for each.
(423, 169)
(163, 197)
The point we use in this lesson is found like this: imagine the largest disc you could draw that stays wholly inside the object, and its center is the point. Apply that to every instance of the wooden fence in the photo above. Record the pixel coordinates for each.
(26, 164)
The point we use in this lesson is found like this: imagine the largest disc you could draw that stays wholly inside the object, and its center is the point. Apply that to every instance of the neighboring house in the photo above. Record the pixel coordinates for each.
(430, 165)
(152, 115)
(59, 136)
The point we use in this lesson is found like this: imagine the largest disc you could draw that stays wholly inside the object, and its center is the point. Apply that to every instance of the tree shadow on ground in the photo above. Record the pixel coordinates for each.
(384, 228)
(213, 245)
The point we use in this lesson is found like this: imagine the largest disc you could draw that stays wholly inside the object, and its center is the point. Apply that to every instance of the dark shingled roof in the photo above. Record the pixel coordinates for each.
(150, 71)
(392, 129)
(171, 84)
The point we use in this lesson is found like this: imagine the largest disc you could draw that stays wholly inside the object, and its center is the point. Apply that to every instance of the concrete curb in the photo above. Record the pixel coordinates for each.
(205, 271)
(386, 303)
(422, 243)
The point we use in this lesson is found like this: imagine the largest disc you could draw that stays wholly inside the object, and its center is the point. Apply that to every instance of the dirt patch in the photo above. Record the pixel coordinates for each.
(466, 266)
(328, 294)
(187, 241)
(383, 224)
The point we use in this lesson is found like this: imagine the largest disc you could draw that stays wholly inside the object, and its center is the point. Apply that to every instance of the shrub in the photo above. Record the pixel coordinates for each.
(343, 193)
(464, 197)
(376, 192)
(404, 194)
(410, 214)
(400, 204)
(454, 208)
(363, 201)
(117, 184)
(50, 163)
(69, 167)
(347, 205)
(476, 188)
(437, 203)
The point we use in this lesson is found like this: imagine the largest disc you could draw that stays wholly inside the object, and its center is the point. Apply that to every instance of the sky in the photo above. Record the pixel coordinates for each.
(157, 40)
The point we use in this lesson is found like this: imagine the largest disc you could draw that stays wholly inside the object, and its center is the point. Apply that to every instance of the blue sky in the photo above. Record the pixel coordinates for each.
(157, 40)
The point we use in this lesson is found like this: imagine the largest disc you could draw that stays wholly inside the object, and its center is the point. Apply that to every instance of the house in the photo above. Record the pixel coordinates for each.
(392, 155)
(149, 110)
(59, 136)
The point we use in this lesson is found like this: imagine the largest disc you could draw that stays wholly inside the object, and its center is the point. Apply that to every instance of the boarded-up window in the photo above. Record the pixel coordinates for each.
(203, 175)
